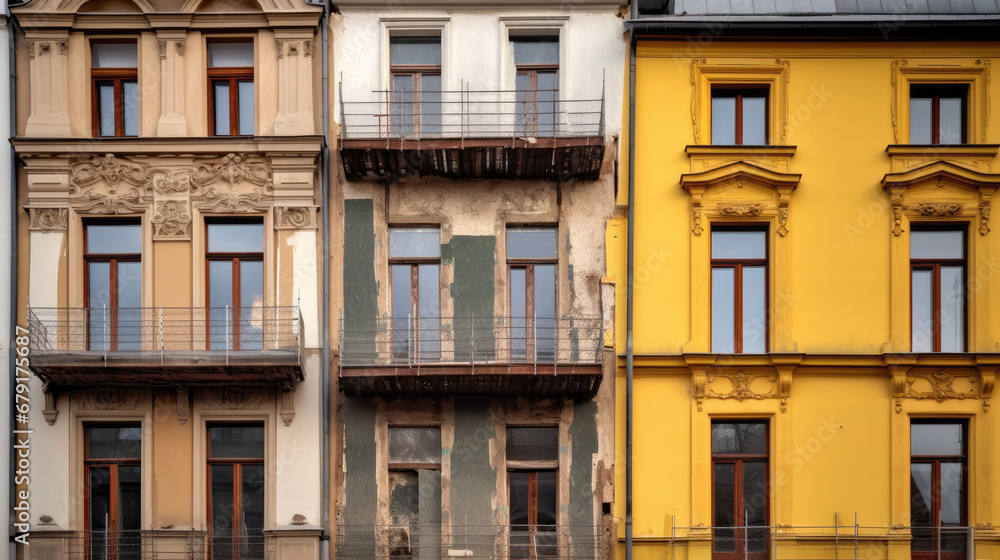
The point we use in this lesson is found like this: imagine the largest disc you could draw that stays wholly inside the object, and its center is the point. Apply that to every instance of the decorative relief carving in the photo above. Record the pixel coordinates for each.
(163, 49)
(938, 386)
(986, 64)
(782, 221)
(938, 208)
(293, 48)
(44, 47)
(741, 387)
(180, 47)
(696, 218)
(984, 218)
(133, 201)
(50, 412)
(235, 169)
(287, 403)
(281, 48)
(31, 48)
(213, 201)
(63, 47)
(307, 47)
(110, 398)
(49, 219)
(694, 96)
(109, 169)
(235, 397)
(741, 210)
(295, 217)
(894, 71)
(171, 220)
(165, 182)
(897, 215)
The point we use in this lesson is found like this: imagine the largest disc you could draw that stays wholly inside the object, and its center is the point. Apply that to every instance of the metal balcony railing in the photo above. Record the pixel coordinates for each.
(164, 330)
(485, 542)
(470, 114)
(134, 545)
(470, 340)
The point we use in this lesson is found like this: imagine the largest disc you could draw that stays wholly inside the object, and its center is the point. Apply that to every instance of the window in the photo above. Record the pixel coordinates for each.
(739, 290)
(938, 470)
(236, 490)
(937, 265)
(236, 285)
(531, 260)
(415, 490)
(739, 489)
(415, 65)
(739, 115)
(415, 261)
(230, 89)
(536, 60)
(115, 88)
(938, 113)
(114, 491)
(532, 464)
(112, 256)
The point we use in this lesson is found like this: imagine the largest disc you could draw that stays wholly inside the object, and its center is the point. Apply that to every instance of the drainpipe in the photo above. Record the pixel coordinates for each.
(630, 277)
(325, 212)
(7, 406)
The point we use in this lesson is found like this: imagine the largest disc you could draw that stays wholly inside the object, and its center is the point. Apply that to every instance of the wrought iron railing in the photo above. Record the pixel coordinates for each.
(470, 114)
(164, 330)
(134, 545)
(493, 542)
(470, 340)
(240, 545)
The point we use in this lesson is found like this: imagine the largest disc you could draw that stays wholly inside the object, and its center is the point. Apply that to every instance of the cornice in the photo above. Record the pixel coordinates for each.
(472, 6)
(840, 364)
(130, 21)
(56, 147)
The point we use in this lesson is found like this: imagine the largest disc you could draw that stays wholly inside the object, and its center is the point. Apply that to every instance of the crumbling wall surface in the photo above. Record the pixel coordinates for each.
(473, 478)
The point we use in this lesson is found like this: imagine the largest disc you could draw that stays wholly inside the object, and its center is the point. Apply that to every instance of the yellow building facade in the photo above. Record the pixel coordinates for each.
(814, 276)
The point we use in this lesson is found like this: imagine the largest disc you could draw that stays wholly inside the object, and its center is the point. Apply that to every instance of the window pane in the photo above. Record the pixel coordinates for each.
(922, 311)
(746, 244)
(920, 120)
(723, 310)
(129, 323)
(754, 122)
(921, 494)
(403, 108)
(98, 287)
(952, 486)
(114, 442)
(414, 242)
(952, 309)
(415, 50)
(724, 506)
(754, 310)
(535, 50)
(545, 312)
(402, 308)
(519, 502)
(740, 438)
(518, 313)
(930, 244)
(220, 295)
(430, 108)
(246, 108)
(951, 120)
(114, 55)
(755, 494)
(129, 508)
(230, 54)
(100, 505)
(229, 441)
(106, 108)
(414, 445)
(531, 243)
(114, 238)
(937, 439)
(430, 311)
(130, 103)
(723, 120)
(236, 238)
(223, 499)
(548, 86)
(252, 511)
(250, 315)
(546, 499)
(221, 108)
(533, 444)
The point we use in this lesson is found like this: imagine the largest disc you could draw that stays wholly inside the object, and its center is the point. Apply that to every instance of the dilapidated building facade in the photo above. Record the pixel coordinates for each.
(476, 149)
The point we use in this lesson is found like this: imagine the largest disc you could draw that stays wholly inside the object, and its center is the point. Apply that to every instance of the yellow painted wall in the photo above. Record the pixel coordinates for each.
(841, 446)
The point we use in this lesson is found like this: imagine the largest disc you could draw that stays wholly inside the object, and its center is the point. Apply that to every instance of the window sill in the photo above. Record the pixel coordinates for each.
(976, 157)
(705, 158)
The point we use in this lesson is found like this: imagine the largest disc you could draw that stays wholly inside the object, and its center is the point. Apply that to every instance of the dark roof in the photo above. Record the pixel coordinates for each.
(817, 7)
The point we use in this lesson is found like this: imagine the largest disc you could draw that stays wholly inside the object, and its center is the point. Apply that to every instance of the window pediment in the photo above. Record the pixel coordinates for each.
(941, 189)
(740, 190)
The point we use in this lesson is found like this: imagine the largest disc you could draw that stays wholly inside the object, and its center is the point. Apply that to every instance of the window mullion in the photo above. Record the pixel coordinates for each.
(738, 308)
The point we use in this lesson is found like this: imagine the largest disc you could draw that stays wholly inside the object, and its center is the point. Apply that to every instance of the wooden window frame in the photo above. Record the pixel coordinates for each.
(737, 265)
(237, 463)
(117, 76)
(532, 468)
(528, 265)
(236, 258)
(114, 464)
(416, 72)
(934, 265)
(113, 259)
(737, 459)
(934, 92)
(414, 264)
(935, 462)
(738, 91)
(233, 76)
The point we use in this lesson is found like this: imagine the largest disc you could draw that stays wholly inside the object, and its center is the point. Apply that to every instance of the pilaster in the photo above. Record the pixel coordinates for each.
(47, 63)
(295, 84)
(172, 121)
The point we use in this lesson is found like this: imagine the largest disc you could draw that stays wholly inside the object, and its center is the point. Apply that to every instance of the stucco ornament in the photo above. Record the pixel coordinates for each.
(49, 219)
(171, 220)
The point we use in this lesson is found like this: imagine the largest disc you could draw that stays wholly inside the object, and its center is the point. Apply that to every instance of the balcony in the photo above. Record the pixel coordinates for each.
(469, 134)
(165, 345)
(472, 356)
(155, 545)
(434, 541)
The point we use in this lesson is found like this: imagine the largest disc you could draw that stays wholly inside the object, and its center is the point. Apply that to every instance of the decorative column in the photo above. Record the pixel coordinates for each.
(47, 65)
(295, 82)
(172, 122)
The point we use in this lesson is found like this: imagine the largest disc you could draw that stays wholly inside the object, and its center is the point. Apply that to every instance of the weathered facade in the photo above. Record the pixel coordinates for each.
(813, 273)
(477, 151)
(168, 261)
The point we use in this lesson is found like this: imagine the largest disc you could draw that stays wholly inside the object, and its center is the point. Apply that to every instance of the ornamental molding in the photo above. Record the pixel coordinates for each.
(234, 397)
(295, 217)
(941, 386)
(710, 381)
(48, 219)
(171, 220)
(108, 169)
(740, 190)
(904, 72)
(776, 73)
(937, 209)
(741, 210)
(941, 189)
(110, 398)
(214, 202)
(132, 201)
(236, 169)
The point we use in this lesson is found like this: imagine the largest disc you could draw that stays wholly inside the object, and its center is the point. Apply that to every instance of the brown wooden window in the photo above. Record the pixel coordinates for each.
(236, 491)
(533, 475)
(938, 472)
(113, 284)
(415, 263)
(113, 476)
(740, 500)
(938, 113)
(739, 290)
(536, 59)
(938, 279)
(231, 87)
(235, 253)
(415, 99)
(415, 490)
(114, 88)
(532, 257)
(739, 115)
